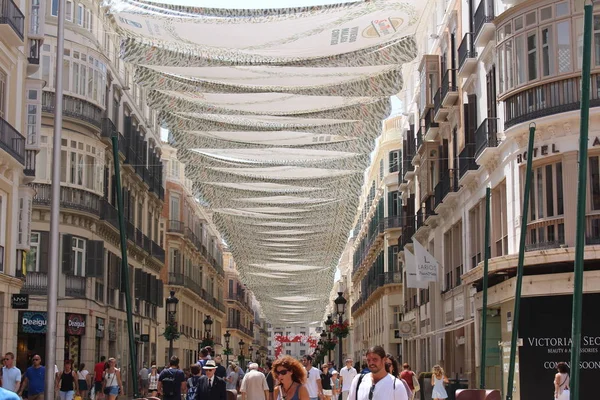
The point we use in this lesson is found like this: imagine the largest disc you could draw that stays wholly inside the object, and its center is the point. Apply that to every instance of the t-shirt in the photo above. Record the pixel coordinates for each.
(98, 371)
(388, 388)
(254, 385)
(144, 374)
(10, 377)
(347, 376)
(326, 381)
(171, 379)
(270, 381)
(408, 377)
(82, 375)
(233, 377)
(8, 395)
(314, 375)
(35, 376)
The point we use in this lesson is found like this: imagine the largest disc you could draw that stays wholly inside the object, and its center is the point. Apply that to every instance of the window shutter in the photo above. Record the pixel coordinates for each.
(138, 283)
(44, 256)
(67, 254)
(94, 260)
(471, 119)
(161, 294)
(148, 287)
(154, 290)
(106, 178)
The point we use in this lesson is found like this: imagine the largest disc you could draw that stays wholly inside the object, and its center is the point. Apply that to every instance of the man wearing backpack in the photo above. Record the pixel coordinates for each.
(377, 384)
(193, 382)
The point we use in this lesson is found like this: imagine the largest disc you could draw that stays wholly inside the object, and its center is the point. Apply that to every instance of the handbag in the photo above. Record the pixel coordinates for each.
(107, 388)
(415, 383)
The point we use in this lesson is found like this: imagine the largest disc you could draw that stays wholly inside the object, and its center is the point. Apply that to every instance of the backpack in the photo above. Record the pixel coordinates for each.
(193, 384)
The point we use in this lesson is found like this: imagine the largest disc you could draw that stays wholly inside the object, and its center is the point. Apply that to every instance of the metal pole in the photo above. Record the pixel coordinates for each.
(125, 266)
(519, 284)
(581, 194)
(485, 290)
(170, 348)
(53, 267)
(340, 354)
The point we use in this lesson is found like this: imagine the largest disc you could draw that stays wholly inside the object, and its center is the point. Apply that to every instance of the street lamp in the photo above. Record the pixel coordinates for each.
(340, 306)
(328, 324)
(227, 336)
(207, 327)
(258, 358)
(241, 344)
(324, 342)
(171, 319)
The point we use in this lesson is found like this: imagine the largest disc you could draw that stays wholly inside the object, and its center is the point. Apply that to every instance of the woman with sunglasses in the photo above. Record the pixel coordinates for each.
(290, 376)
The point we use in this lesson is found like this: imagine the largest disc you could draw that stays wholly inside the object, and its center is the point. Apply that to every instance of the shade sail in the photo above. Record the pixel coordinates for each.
(274, 112)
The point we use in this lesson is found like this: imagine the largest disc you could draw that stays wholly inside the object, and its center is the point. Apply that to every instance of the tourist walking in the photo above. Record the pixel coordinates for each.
(34, 380)
(232, 377)
(377, 384)
(411, 379)
(193, 382)
(82, 381)
(11, 375)
(254, 385)
(290, 378)
(326, 381)
(270, 380)
(336, 385)
(562, 382)
(347, 374)
(221, 372)
(143, 380)
(171, 381)
(437, 381)
(66, 382)
(112, 385)
(313, 379)
(211, 387)
(153, 381)
(98, 373)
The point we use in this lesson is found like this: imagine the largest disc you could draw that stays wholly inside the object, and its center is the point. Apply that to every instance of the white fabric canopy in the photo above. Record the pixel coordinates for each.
(274, 112)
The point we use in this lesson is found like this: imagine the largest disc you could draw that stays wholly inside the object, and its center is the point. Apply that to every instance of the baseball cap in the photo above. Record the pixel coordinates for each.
(210, 364)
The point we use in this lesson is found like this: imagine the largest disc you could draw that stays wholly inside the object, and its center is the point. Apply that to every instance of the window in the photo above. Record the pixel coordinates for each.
(302, 352)
(78, 256)
(2, 94)
(499, 218)
(476, 233)
(88, 20)
(33, 261)
(174, 210)
(547, 55)
(394, 161)
(563, 33)
(532, 56)
(80, 15)
(69, 11)
(594, 183)
(453, 266)
(597, 38)
(288, 352)
(54, 10)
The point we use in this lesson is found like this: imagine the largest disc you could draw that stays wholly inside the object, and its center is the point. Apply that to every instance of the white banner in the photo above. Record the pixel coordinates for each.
(426, 266)
(411, 272)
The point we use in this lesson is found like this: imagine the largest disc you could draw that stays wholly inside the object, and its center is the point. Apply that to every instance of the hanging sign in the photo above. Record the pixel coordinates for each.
(20, 301)
(426, 266)
(75, 324)
(411, 272)
(33, 322)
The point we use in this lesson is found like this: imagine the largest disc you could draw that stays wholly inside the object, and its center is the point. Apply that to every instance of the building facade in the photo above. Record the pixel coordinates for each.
(376, 295)
(489, 69)
(100, 101)
(194, 265)
(298, 348)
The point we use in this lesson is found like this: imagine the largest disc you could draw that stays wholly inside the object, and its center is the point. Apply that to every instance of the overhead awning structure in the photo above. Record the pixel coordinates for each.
(274, 112)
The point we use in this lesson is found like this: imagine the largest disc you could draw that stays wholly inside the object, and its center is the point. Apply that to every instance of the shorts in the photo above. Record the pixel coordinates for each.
(143, 384)
(66, 395)
(114, 390)
(327, 392)
(82, 384)
(98, 387)
(37, 396)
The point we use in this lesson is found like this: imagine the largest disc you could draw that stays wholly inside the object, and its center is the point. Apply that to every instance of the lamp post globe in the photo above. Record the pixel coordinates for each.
(328, 324)
(171, 305)
(227, 336)
(340, 307)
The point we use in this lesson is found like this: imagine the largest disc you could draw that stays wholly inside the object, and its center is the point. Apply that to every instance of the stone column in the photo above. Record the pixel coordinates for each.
(570, 168)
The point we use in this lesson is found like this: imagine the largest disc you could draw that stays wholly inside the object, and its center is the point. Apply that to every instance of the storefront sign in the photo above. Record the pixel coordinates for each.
(545, 327)
(20, 301)
(33, 322)
(99, 327)
(543, 150)
(75, 324)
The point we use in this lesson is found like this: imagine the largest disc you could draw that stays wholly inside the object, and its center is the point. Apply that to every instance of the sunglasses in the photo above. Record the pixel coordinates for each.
(281, 372)
(36, 359)
(388, 365)
(371, 392)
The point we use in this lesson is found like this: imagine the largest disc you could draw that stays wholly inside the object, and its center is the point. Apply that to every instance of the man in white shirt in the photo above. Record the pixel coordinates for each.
(347, 374)
(377, 384)
(11, 375)
(313, 379)
(254, 385)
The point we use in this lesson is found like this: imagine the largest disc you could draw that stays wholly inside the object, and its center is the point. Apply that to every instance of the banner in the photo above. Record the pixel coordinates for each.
(411, 272)
(426, 266)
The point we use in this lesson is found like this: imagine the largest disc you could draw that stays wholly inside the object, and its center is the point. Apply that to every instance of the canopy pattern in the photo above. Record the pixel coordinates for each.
(275, 113)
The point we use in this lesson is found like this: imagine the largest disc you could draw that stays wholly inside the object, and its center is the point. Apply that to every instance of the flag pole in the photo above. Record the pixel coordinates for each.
(54, 234)
(581, 202)
(519, 284)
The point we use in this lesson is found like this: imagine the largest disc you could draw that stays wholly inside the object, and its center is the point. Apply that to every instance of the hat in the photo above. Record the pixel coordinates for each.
(334, 372)
(153, 366)
(210, 364)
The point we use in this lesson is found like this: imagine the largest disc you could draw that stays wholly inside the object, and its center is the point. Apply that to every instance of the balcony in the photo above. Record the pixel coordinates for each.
(486, 135)
(36, 282)
(12, 23)
(156, 251)
(431, 127)
(467, 56)
(448, 184)
(419, 139)
(75, 286)
(592, 229)
(33, 58)
(407, 233)
(392, 223)
(466, 160)
(29, 170)
(548, 99)
(109, 213)
(379, 281)
(545, 234)
(12, 141)
(174, 226)
(483, 23)
(70, 198)
(237, 325)
(74, 108)
(2, 258)
(240, 299)
(446, 96)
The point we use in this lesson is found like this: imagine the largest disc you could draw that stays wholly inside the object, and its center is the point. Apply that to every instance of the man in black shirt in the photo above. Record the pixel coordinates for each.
(270, 382)
(221, 372)
(171, 381)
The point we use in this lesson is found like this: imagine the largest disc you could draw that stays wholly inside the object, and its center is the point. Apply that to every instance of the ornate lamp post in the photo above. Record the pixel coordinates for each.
(242, 358)
(258, 357)
(324, 343)
(328, 324)
(208, 334)
(171, 320)
(227, 336)
(340, 305)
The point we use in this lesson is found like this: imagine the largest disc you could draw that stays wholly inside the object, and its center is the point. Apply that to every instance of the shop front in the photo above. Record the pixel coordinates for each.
(74, 332)
(31, 337)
